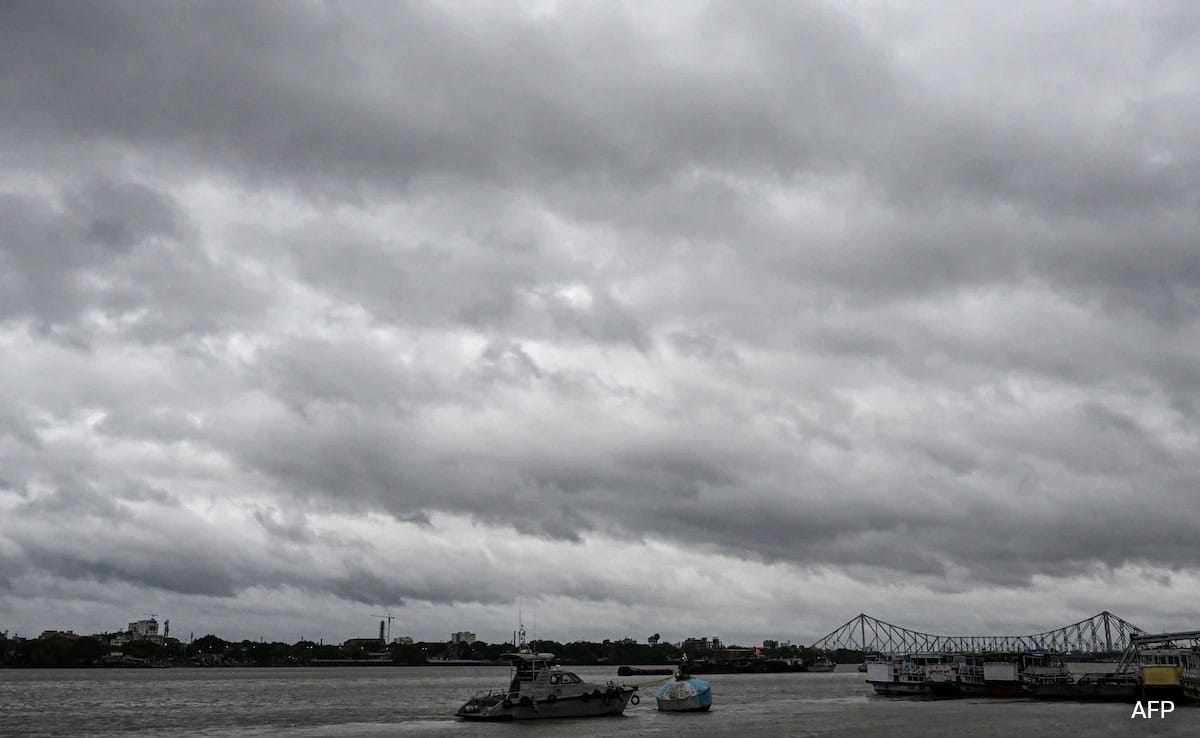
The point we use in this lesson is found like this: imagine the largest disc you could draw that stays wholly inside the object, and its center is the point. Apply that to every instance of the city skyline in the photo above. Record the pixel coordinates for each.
(729, 318)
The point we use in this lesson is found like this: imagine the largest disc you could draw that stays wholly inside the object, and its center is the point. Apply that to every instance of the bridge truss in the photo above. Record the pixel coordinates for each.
(1177, 639)
(1101, 633)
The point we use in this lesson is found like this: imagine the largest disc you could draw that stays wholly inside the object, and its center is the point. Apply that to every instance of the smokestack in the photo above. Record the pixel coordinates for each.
(381, 630)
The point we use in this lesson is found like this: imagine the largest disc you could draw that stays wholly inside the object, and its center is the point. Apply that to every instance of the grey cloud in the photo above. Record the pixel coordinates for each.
(814, 285)
(117, 247)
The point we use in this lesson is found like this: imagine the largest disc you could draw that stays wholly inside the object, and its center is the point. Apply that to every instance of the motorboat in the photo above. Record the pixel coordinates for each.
(540, 690)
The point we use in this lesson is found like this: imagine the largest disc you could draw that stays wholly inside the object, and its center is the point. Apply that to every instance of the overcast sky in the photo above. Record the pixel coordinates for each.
(727, 319)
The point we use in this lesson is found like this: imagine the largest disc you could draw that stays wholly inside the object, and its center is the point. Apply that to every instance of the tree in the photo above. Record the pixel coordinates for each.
(208, 644)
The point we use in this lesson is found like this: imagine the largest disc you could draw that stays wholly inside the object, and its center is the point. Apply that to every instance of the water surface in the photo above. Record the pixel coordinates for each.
(399, 701)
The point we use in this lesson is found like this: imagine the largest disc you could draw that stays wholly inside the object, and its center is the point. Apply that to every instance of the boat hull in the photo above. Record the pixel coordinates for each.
(694, 703)
(635, 671)
(1087, 691)
(570, 707)
(902, 689)
(1191, 691)
(1007, 690)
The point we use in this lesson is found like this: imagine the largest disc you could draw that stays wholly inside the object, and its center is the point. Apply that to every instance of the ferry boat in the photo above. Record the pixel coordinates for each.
(540, 690)
(1161, 672)
(1098, 686)
(914, 675)
(1037, 668)
(970, 668)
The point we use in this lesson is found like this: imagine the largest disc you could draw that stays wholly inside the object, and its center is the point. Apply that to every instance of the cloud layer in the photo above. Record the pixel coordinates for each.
(311, 309)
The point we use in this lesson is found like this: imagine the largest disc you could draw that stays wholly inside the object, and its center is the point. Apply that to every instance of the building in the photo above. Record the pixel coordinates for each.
(362, 643)
(463, 636)
(768, 643)
(65, 634)
(403, 640)
(143, 630)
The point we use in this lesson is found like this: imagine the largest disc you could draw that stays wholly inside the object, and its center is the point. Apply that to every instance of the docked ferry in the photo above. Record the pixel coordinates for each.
(1161, 672)
(914, 675)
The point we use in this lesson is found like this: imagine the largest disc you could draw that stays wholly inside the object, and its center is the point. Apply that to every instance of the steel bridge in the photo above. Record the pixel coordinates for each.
(1177, 639)
(1102, 633)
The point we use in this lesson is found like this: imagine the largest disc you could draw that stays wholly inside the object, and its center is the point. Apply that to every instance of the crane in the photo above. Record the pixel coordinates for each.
(389, 618)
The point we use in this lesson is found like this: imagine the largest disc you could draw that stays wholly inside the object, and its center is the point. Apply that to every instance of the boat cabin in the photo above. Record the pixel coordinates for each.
(1162, 668)
(527, 666)
(1043, 667)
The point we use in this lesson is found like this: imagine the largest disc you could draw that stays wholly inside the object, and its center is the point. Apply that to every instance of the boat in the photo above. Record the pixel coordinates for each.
(1191, 675)
(821, 665)
(1167, 665)
(970, 668)
(638, 671)
(684, 693)
(1009, 673)
(540, 690)
(1161, 672)
(914, 675)
(1097, 686)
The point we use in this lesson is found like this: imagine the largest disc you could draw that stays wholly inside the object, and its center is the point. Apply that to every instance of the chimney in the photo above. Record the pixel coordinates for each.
(381, 630)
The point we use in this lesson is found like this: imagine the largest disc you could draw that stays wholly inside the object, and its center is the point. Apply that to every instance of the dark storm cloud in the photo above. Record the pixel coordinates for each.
(862, 289)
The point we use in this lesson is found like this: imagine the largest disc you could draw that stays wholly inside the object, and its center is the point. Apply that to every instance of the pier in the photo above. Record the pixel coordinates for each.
(1159, 667)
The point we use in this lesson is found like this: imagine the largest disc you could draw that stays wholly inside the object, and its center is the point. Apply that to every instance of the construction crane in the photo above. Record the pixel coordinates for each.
(389, 618)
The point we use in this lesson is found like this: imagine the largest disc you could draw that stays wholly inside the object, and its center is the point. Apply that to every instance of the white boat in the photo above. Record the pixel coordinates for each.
(911, 675)
(540, 690)
(684, 693)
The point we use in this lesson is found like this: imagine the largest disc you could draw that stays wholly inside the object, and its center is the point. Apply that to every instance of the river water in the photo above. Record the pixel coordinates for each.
(399, 701)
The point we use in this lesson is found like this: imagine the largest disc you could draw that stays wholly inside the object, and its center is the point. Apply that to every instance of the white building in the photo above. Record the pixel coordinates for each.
(143, 630)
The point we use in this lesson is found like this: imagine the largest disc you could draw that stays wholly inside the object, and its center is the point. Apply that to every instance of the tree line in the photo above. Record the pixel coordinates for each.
(210, 650)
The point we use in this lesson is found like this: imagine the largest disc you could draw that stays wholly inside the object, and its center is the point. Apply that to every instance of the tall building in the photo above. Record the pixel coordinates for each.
(463, 636)
(143, 630)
